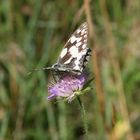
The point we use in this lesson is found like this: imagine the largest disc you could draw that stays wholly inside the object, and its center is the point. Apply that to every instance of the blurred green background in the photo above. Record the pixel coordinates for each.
(32, 34)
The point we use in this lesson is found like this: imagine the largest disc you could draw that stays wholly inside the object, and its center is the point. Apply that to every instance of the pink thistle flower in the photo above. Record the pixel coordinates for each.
(67, 87)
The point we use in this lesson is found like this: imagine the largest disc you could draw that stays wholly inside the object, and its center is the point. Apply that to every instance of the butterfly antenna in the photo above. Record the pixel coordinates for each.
(38, 69)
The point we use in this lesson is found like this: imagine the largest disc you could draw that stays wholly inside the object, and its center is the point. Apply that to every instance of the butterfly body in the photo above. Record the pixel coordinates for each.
(75, 54)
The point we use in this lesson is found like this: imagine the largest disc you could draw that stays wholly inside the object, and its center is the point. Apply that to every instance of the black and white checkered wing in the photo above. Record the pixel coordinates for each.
(75, 53)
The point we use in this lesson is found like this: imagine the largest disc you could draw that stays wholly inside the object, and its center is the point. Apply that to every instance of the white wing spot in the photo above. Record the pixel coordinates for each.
(63, 53)
(76, 67)
(78, 31)
(87, 58)
(83, 32)
(74, 51)
(85, 40)
(84, 46)
(72, 39)
(85, 25)
(68, 61)
(85, 36)
(78, 44)
(78, 39)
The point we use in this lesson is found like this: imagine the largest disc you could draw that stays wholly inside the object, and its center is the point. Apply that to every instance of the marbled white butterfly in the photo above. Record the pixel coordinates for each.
(75, 54)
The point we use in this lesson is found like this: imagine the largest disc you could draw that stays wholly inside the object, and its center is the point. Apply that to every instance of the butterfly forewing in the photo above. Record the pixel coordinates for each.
(73, 56)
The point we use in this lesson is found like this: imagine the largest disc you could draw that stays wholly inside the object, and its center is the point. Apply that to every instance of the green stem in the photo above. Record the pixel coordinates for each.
(83, 112)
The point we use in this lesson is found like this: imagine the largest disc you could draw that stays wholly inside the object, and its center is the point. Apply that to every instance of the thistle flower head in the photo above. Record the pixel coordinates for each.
(67, 86)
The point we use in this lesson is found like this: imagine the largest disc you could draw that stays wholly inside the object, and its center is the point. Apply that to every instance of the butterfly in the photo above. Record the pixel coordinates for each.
(75, 54)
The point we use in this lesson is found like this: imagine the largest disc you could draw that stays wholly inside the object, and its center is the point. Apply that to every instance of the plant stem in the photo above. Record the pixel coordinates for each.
(84, 118)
